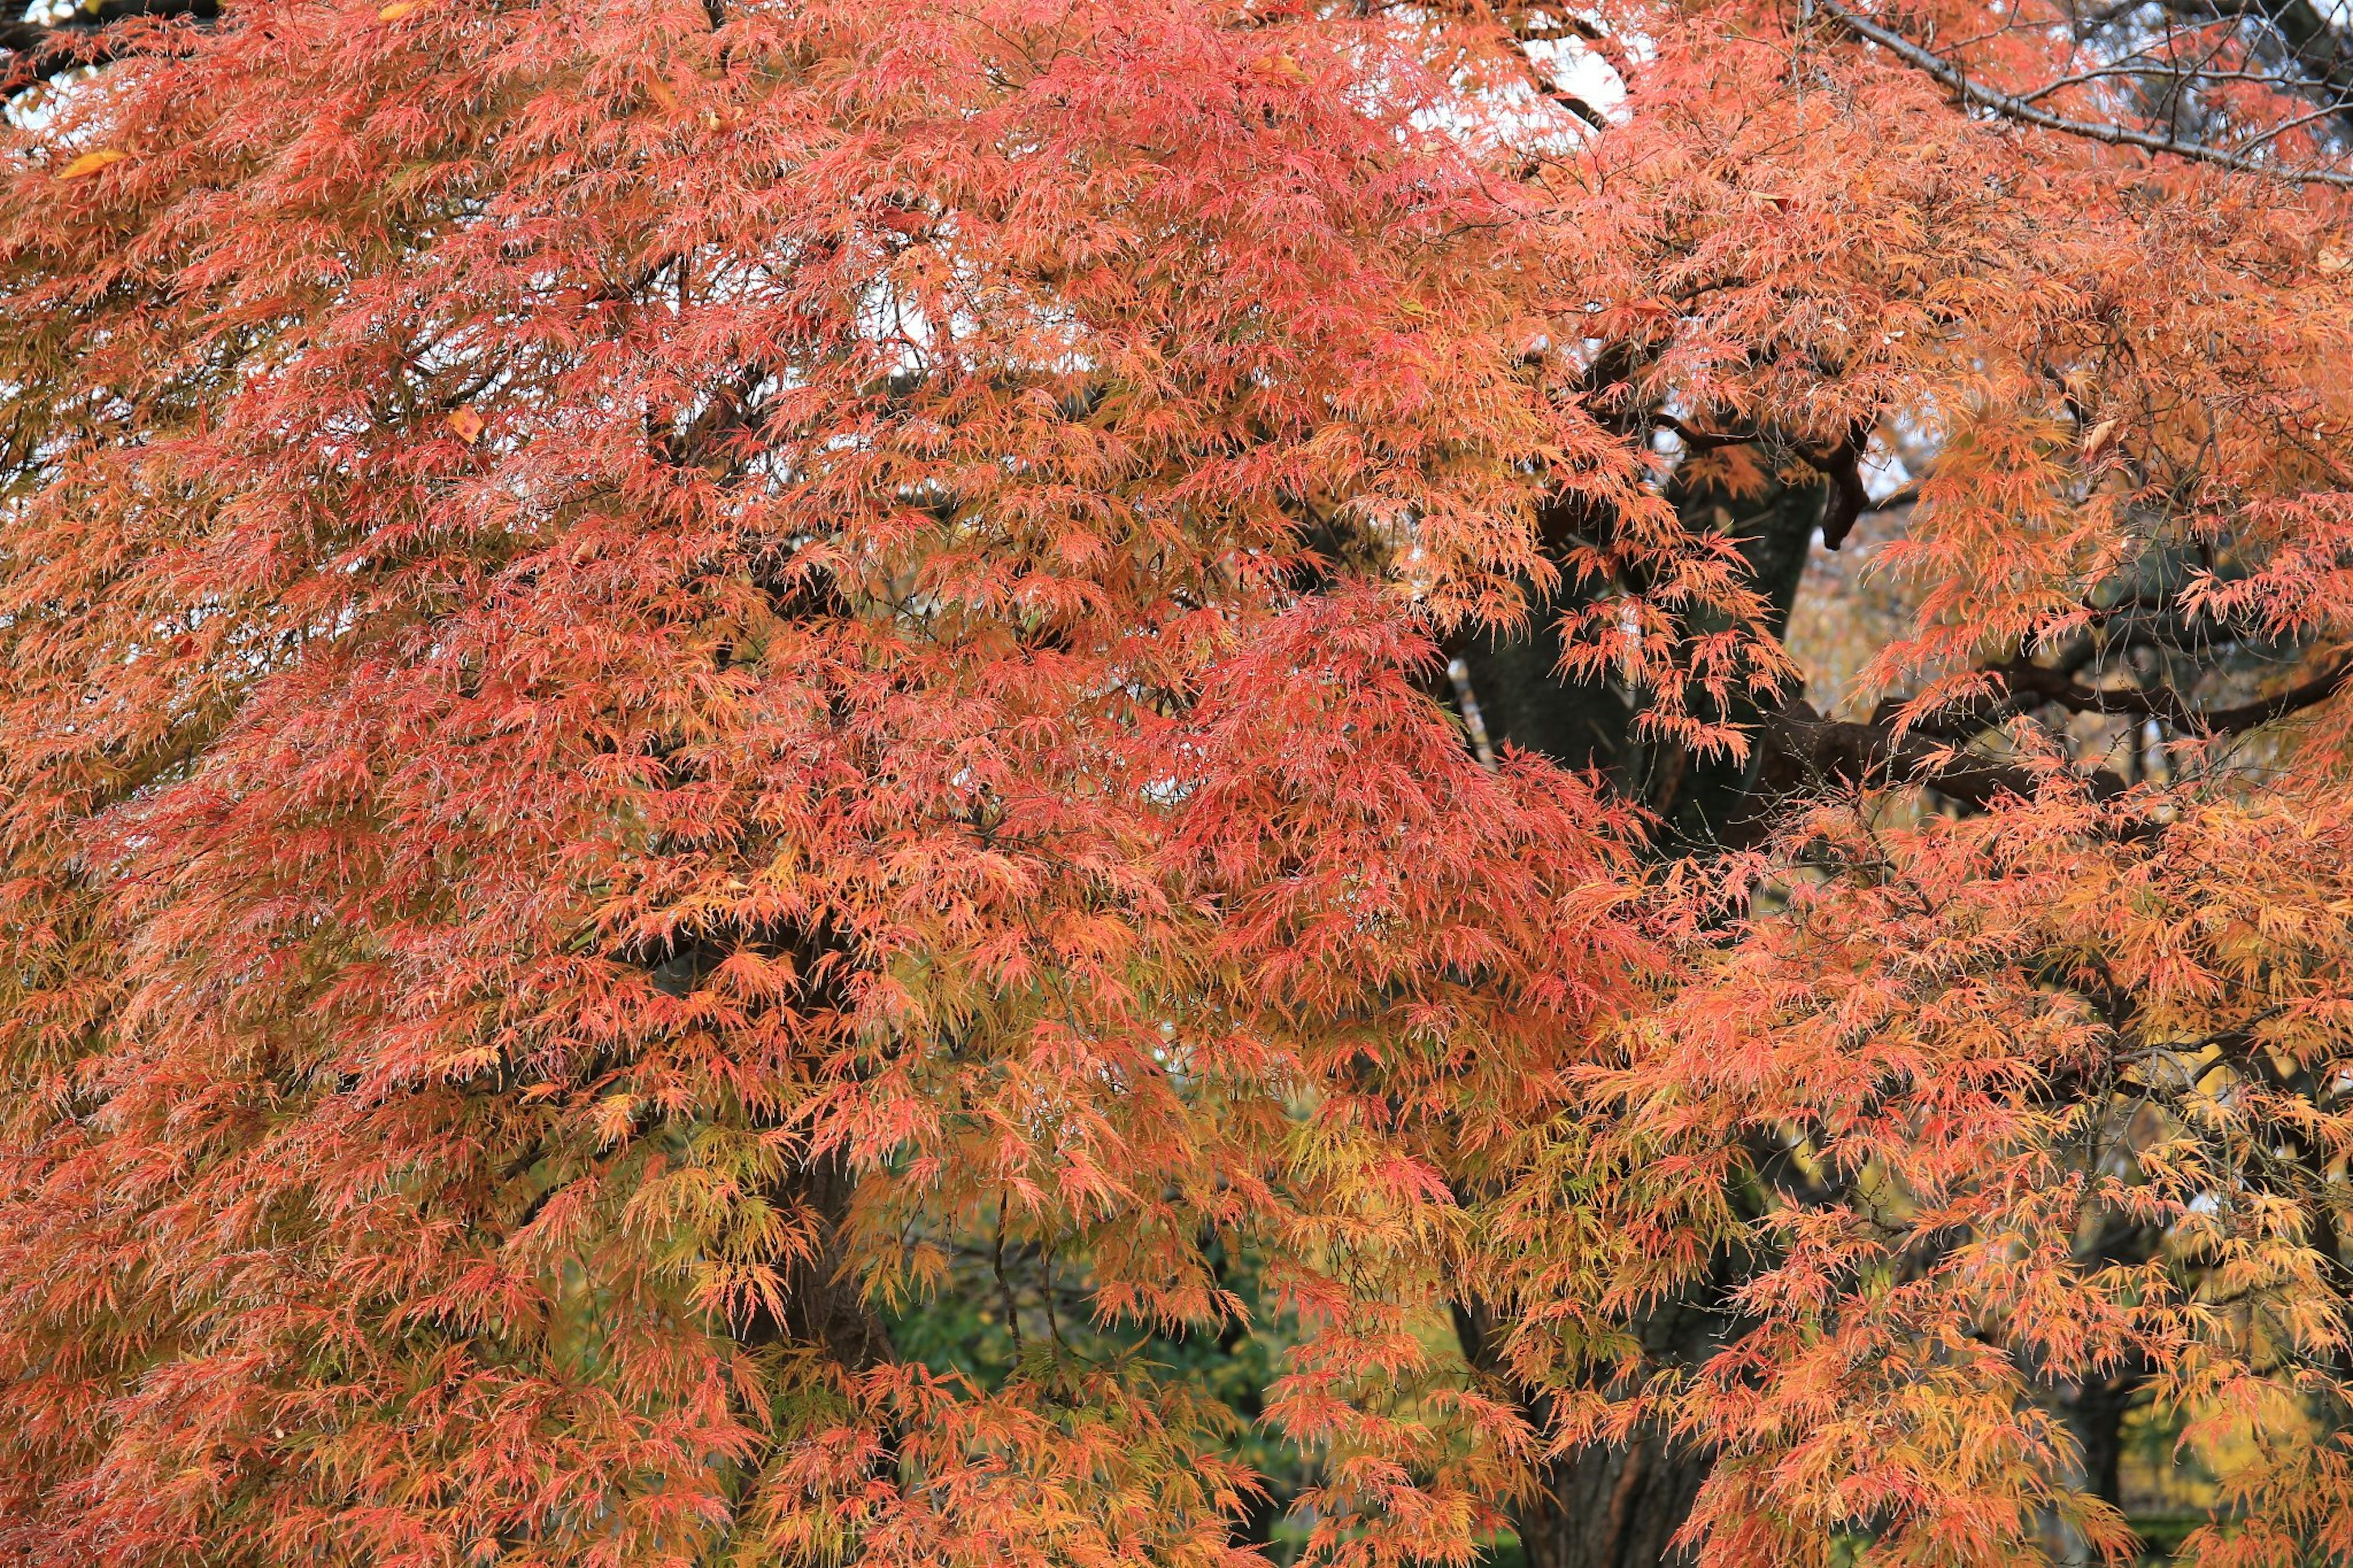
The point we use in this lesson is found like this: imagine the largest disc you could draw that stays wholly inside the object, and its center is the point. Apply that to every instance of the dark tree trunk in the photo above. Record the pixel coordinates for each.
(1613, 1508)
(1620, 1506)
(2095, 1415)
(2095, 1408)
(822, 1305)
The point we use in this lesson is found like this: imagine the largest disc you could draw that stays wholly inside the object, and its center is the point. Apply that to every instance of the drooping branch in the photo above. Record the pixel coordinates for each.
(2011, 105)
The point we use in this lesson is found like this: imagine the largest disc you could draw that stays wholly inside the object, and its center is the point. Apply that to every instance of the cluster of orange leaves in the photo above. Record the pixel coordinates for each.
(948, 512)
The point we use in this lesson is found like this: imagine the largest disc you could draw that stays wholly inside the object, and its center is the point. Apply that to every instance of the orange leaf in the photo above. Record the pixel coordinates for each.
(466, 423)
(91, 162)
(1279, 67)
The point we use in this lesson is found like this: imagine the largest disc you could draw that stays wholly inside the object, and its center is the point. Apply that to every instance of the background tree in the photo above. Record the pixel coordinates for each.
(764, 761)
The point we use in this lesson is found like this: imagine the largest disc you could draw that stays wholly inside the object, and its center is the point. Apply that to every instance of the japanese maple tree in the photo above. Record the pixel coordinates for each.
(702, 696)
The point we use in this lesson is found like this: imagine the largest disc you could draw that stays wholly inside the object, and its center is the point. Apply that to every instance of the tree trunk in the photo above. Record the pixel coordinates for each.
(1612, 1507)
(1615, 1505)
(1620, 1506)
(2096, 1415)
(822, 1305)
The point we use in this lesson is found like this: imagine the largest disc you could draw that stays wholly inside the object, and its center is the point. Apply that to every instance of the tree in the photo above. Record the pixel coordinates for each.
(689, 680)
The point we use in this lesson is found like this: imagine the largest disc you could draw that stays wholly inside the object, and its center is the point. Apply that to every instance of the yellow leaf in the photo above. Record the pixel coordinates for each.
(2098, 442)
(466, 423)
(91, 162)
(398, 9)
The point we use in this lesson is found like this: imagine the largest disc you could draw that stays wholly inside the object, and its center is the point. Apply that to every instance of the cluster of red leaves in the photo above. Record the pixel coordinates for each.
(610, 606)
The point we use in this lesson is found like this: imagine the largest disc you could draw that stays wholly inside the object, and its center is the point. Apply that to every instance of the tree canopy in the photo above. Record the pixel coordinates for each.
(1025, 781)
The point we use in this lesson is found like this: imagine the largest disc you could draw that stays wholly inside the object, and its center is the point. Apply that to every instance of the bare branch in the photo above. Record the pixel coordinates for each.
(1541, 80)
(1802, 748)
(2011, 107)
(2041, 685)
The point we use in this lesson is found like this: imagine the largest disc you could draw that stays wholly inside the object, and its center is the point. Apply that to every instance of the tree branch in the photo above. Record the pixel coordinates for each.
(1842, 465)
(1802, 747)
(2011, 107)
(1798, 751)
(2041, 685)
(39, 50)
(1540, 79)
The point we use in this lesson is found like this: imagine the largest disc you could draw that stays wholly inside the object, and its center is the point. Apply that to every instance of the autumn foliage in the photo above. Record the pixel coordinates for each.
(681, 681)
